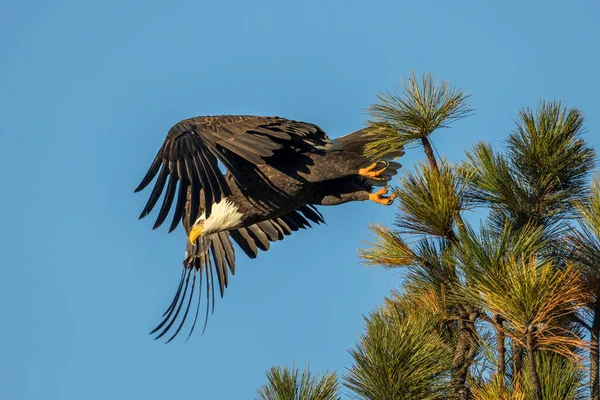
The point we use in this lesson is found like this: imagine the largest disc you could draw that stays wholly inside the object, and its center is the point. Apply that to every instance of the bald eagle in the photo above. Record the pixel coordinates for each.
(277, 171)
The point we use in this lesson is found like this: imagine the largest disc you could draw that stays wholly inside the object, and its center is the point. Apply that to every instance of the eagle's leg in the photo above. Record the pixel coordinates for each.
(341, 198)
(374, 171)
(352, 188)
(380, 197)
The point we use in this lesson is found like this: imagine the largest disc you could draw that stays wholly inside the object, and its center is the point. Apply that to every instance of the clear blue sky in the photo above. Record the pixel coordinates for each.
(88, 91)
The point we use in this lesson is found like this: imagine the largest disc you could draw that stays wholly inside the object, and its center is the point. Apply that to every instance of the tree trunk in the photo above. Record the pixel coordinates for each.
(464, 354)
(595, 337)
(459, 368)
(501, 349)
(466, 347)
(517, 360)
(531, 365)
(429, 153)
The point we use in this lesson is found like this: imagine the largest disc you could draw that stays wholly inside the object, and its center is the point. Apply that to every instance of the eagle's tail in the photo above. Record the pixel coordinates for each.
(356, 142)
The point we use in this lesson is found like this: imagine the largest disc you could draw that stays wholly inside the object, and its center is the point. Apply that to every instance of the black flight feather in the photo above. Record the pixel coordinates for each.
(167, 201)
(179, 205)
(156, 191)
(187, 309)
(152, 171)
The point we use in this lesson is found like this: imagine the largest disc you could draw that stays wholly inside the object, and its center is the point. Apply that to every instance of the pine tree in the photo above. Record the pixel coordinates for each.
(504, 308)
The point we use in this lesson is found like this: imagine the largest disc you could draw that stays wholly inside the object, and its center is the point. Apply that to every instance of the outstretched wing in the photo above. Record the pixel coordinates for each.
(193, 148)
(214, 255)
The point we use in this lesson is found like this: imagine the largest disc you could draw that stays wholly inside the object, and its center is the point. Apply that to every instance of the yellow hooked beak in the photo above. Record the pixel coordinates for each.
(195, 232)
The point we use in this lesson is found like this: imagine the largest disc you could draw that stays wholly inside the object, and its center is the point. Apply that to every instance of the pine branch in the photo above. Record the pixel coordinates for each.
(291, 384)
(400, 356)
(413, 111)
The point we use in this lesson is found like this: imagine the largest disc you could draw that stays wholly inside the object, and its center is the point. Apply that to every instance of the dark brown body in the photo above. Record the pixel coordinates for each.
(330, 178)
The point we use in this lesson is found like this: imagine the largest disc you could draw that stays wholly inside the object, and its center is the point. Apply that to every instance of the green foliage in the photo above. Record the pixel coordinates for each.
(400, 356)
(534, 297)
(425, 258)
(589, 208)
(584, 244)
(430, 201)
(495, 389)
(496, 312)
(510, 273)
(435, 268)
(414, 111)
(545, 168)
(492, 183)
(482, 255)
(549, 153)
(562, 380)
(485, 253)
(291, 384)
(388, 249)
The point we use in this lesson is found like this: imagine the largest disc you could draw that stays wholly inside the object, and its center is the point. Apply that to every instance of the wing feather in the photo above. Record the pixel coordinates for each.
(167, 201)
(156, 191)
(229, 251)
(214, 255)
(285, 227)
(179, 207)
(193, 148)
(152, 171)
(246, 243)
(261, 240)
(244, 152)
(219, 262)
(186, 171)
(268, 228)
(187, 310)
(311, 213)
(206, 189)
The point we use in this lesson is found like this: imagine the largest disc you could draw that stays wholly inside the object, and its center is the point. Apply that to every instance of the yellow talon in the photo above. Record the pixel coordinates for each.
(372, 172)
(380, 197)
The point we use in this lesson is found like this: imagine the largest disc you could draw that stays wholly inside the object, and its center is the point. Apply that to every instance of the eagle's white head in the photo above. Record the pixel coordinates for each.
(224, 215)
